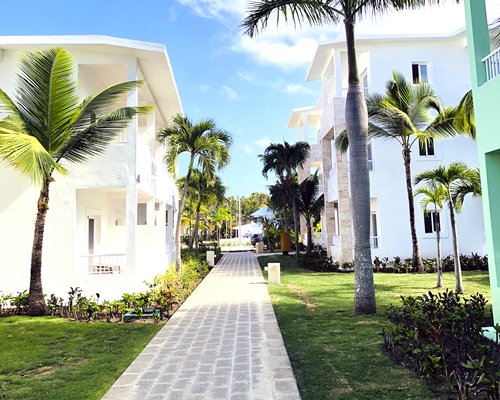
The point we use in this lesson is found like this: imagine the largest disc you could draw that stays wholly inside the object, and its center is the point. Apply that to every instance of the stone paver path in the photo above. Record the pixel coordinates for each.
(222, 343)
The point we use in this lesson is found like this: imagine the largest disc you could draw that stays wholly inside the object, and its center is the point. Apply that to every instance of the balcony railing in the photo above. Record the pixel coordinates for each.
(105, 264)
(492, 62)
(374, 242)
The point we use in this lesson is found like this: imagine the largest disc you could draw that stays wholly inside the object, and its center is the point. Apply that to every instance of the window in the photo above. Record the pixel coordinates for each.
(370, 157)
(419, 72)
(432, 222)
(142, 214)
(426, 148)
(364, 82)
(374, 231)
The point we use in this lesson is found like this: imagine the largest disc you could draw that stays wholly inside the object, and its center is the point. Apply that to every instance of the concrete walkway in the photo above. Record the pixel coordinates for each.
(222, 343)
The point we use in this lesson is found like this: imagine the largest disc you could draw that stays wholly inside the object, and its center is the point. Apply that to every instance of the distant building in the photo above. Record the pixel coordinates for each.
(110, 221)
(440, 60)
(485, 73)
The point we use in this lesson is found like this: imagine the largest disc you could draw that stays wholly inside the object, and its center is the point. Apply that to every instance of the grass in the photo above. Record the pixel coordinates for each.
(336, 355)
(50, 358)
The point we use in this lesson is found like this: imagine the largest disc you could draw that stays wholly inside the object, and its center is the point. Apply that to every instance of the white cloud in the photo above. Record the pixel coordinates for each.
(248, 149)
(245, 76)
(263, 142)
(229, 92)
(285, 50)
(295, 88)
(216, 8)
(287, 47)
(204, 87)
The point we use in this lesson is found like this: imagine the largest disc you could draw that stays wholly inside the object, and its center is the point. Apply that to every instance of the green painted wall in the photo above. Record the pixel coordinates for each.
(487, 115)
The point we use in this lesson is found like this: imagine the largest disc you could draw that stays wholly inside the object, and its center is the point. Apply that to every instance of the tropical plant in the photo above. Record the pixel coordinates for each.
(206, 144)
(252, 203)
(284, 159)
(404, 113)
(457, 180)
(205, 190)
(311, 204)
(434, 197)
(45, 126)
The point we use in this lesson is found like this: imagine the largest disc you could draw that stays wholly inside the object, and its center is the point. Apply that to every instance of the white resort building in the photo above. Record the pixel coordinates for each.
(438, 59)
(110, 221)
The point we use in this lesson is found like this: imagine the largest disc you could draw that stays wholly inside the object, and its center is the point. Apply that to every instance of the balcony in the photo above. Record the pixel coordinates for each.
(105, 264)
(492, 62)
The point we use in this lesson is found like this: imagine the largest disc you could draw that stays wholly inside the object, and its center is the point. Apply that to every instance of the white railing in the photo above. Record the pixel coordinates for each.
(374, 242)
(105, 264)
(492, 62)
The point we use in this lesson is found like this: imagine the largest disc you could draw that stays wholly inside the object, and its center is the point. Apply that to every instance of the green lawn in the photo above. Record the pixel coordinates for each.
(336, 355)
(50, 358)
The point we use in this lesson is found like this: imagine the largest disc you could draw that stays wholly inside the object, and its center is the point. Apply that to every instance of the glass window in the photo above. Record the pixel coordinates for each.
(431, 222)
(142, 214)
(426, 148)
(374, 230)
(419, 72)
(370, 156)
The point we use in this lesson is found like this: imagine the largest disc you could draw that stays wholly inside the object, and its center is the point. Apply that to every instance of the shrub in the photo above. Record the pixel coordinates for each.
(20, 302)
(439, 336)
(315, 262)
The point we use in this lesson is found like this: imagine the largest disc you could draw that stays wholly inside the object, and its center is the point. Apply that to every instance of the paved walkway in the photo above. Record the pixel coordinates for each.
(222, 343)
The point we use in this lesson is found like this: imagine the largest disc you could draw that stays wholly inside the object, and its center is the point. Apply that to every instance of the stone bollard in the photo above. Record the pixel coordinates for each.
(273, 273)
(211, 258)
(259, 247)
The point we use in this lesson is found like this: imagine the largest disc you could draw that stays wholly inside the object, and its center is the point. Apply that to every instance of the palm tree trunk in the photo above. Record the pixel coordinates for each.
(295, 225)
(196, 225)
(178, 259)
(416, 261)
(191, 235)
(309, 235)
(36, 300)
(459, 286)
(356, 116)
(438, 244)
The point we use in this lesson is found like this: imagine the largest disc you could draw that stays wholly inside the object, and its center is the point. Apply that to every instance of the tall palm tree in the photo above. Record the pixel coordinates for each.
(404, 114)
(205, 190)
(311, 204)
(284, 159)
(326, 12)
(206, 144)
(436, 197)
(45, 126)
(457, 180)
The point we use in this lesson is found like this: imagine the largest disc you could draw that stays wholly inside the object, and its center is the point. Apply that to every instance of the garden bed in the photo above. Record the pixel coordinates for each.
(337, 355)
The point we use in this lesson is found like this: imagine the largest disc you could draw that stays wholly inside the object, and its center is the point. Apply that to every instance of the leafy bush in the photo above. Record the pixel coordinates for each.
(317, 262)
(20, 302)
(440, 337)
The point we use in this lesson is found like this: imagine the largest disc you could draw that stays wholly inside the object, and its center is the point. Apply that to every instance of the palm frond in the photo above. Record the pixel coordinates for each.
(47, 96)
(312, 12)
(27, 155)
(342, 141)
(93, 139)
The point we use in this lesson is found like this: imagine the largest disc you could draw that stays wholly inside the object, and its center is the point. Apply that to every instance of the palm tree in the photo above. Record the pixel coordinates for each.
(324, 12)
(45, 125)
(310, 204)
(403, 114)
(457, 180)
(435, 197)
(205, 144)
(284, 159)
(205, 190)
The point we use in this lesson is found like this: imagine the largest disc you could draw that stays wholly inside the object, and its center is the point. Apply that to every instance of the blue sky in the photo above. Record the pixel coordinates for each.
(248, 86)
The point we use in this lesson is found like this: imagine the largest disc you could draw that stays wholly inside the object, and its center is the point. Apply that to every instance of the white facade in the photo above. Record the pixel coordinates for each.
(443, 59)
(106, 229)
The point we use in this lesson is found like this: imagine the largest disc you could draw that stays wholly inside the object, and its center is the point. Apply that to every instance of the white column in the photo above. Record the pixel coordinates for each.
(131, 201)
